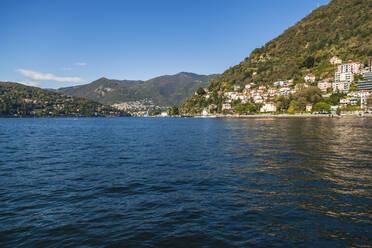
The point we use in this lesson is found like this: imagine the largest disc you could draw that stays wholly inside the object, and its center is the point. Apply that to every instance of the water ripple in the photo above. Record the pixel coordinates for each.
(132, 182)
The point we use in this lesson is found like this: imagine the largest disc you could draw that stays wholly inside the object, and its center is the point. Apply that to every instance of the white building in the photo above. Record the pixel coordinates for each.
(341, 86)
(309, 107)
(335, 107)
(248, 86)
(335, 60)
(310, 78)
(344, 77)
(349, 100)
(205, 112)
(257, 99)
(363, 98)
(284, 91)
(268, 107)
(226, 106)
(236, 87)
(272, 92)
(352, 67)
(212, 107)
(324, 85)
(283, 83)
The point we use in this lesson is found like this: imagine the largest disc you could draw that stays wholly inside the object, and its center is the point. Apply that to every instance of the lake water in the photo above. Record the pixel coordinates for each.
(162, 182)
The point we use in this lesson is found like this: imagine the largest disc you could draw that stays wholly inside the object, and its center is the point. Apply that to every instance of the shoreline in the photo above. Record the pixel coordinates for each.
(229, 116)
(286, 116)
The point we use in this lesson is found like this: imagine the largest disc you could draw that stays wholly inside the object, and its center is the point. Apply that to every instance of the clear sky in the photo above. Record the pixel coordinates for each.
(54, 44)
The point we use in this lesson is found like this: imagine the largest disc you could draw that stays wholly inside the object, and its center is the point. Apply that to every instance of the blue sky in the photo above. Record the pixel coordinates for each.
(55, 44)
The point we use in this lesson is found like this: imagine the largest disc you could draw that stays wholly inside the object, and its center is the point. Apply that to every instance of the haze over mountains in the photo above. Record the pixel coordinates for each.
(167, 90)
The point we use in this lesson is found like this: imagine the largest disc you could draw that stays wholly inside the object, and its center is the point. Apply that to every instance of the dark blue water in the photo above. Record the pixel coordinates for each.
(132, 182)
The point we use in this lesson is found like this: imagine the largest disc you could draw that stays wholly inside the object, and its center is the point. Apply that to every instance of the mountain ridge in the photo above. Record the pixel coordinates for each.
(165, 90)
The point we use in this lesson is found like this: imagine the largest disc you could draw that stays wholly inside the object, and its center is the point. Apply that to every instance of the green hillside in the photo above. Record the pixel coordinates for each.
(105, 91)
(341, 28)
(172, 90)
(165, 90)
(20, 100)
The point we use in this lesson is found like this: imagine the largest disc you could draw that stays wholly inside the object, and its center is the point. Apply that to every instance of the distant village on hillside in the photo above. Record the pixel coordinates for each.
(355, 92)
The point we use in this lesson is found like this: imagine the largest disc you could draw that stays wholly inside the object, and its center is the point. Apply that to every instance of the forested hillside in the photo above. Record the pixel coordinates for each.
(341, 28)
(165, 90)
(20, 100)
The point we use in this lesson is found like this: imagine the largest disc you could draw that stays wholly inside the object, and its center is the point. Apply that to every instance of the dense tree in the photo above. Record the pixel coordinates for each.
(246, 108)
(335, 98)
(174, 111)
(308, 62)
(200, 91)
(322, 107)
(20, 100)
(283, 103)
(156, 112)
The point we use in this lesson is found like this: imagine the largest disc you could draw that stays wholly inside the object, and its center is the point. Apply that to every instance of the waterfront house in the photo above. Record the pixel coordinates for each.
(335, 107)
(349, 100)
(364, 94)
(226, 106)
(268, 107)
(309, 107)
(212, 107)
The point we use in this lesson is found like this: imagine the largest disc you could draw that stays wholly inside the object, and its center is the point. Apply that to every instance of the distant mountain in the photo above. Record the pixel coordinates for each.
(21, 100)
(172, 90)
(105, 91)
(165, 90)
(341, 28)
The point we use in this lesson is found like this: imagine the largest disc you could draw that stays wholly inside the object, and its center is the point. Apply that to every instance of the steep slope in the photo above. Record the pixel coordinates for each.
(165, 90)
(20, 100)
(341, 28)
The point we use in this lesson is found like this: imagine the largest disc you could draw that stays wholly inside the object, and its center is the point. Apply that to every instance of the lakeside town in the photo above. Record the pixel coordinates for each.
(351, 86)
